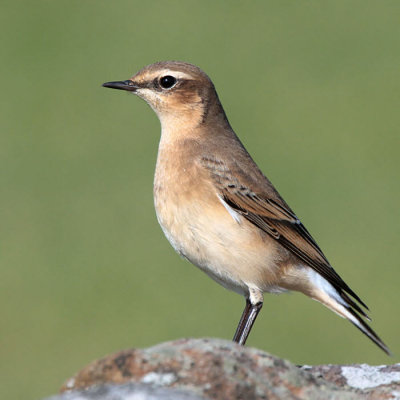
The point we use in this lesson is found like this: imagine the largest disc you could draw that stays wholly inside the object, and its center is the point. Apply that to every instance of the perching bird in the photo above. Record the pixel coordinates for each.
(220, 212)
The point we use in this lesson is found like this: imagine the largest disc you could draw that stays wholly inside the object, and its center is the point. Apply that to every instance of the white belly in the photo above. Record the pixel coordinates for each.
(228, 248)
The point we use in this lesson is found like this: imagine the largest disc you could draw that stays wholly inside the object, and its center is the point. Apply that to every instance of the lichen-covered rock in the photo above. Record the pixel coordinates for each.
(214, 369)
(374, 382)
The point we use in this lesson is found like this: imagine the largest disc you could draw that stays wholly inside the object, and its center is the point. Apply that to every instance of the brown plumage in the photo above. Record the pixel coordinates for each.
(220, 212)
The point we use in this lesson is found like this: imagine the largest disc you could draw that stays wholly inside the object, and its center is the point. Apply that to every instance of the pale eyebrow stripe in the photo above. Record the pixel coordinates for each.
(176, 74)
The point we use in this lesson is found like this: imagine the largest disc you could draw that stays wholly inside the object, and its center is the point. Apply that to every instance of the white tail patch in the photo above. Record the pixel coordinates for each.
(323, 285)
(326, 294)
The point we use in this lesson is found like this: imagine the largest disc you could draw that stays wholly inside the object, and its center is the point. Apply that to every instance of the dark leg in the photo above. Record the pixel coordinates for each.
(242, 322)
(246, 322)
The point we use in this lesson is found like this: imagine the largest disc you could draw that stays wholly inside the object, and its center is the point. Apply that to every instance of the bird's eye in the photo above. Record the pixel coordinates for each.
(167, 82)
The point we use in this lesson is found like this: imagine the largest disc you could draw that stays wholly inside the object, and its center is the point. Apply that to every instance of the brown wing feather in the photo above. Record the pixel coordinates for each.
(273, 216)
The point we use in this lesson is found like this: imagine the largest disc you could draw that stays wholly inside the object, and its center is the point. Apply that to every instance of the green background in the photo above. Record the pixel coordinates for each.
(312, 89)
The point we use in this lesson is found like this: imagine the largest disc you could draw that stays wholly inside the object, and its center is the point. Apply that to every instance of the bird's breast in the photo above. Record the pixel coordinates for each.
(180, 196)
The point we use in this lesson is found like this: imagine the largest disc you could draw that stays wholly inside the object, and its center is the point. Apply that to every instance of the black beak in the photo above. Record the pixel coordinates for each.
(122, 85)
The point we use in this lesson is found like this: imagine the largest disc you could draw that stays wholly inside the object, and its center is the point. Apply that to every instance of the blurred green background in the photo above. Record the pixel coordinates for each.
(312, 89)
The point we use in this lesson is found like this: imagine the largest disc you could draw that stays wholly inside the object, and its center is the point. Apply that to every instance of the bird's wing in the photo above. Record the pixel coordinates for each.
(268, 211)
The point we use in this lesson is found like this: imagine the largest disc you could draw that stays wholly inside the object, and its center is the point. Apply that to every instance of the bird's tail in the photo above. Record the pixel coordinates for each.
(343, 305)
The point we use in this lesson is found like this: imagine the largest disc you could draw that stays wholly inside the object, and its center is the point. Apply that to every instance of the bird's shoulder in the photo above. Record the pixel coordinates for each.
(233, 170)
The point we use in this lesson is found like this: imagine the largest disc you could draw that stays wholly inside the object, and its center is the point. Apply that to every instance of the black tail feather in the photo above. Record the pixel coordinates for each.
(368, 331)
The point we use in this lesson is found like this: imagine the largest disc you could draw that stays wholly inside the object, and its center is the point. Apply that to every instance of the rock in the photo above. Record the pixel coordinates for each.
(375, 382)
(131, 391)
(219, 369)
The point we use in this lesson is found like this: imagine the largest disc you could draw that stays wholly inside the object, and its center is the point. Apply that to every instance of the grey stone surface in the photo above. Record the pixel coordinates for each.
(374, 382)
(220, 370)
(127, 391)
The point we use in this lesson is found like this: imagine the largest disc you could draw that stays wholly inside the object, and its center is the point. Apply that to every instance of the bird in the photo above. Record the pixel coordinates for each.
(220, 212)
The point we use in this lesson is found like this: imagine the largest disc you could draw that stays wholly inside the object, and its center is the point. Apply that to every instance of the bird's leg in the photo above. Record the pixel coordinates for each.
(246, 322)
(242, 322)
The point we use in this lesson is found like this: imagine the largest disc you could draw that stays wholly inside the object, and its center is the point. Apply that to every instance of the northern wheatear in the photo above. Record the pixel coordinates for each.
(220, 212)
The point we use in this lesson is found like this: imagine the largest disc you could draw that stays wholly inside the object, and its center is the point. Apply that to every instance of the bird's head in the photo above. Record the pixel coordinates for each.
(176, 91)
